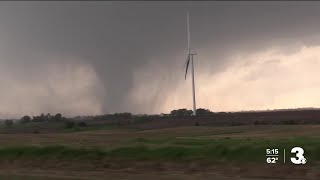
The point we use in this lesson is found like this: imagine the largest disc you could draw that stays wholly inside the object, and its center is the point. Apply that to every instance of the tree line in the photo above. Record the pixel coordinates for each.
(41, 118)
(116, 116)
(185, 112)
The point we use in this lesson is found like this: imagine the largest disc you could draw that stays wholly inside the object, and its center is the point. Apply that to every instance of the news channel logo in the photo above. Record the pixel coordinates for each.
(273, 155)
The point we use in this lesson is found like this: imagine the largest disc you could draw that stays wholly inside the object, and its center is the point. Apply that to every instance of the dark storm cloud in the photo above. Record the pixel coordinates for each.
(120, 39)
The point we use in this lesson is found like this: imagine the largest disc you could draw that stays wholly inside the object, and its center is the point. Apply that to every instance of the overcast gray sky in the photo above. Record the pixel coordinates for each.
(89, 58)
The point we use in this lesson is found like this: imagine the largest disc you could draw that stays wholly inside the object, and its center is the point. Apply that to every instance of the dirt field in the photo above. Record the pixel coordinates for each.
(57, 169)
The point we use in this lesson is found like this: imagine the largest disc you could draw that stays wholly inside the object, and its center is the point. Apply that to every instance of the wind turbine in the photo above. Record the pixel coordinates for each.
(190, 58)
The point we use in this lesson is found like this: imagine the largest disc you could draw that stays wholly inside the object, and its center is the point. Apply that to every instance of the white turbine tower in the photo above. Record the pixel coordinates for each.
(190, 58)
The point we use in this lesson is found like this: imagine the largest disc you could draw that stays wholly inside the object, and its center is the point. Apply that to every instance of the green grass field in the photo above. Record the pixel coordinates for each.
(172, 149)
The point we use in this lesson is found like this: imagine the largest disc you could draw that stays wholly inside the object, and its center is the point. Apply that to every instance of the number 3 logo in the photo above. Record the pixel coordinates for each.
(299, 159)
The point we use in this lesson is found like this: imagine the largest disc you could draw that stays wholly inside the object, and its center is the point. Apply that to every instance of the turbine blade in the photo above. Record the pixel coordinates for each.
(187, 65)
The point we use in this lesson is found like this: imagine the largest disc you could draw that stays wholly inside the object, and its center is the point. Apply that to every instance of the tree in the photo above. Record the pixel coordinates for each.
(25, 119)
(8, 122)
(37, 119)
(51, 118)
(42, 118)
(202, 111)
(45, 118)
(123, 115)
(181, 112)
(58, 117)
